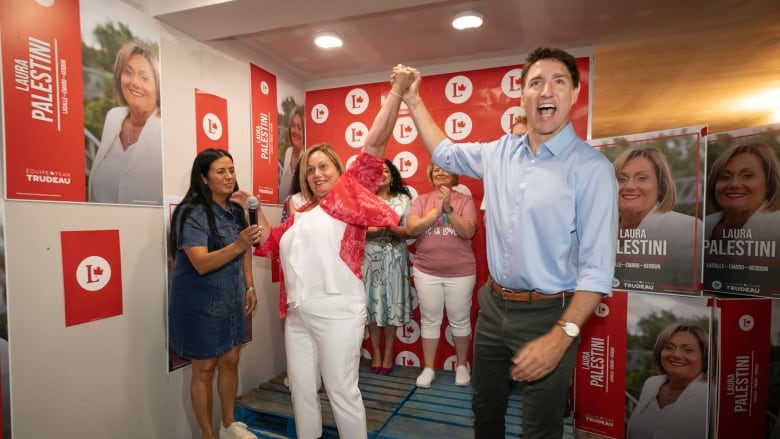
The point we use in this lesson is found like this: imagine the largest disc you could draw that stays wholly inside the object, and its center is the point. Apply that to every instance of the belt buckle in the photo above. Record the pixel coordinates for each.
(508, 294)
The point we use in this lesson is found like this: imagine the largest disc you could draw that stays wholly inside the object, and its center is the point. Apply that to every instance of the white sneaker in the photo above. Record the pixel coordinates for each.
(237, 430)
(462, 375)
(426, 378)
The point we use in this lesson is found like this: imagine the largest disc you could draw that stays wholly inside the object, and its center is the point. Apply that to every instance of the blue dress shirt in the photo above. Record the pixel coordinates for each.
(551, 218)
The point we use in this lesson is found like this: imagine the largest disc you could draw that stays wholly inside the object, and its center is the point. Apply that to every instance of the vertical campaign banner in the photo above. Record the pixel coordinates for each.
(92, 275)
(659, 177)
(211, 121)
(470, 106)
(265, 172)
(742, 226)
(668, 366)
(599, 378)
(42, 98)
(743, 364)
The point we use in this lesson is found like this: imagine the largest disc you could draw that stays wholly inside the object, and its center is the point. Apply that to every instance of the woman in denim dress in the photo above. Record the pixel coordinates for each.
(212, 288)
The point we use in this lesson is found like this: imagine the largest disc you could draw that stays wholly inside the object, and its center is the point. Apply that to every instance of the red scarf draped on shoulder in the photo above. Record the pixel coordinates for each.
(352, 200)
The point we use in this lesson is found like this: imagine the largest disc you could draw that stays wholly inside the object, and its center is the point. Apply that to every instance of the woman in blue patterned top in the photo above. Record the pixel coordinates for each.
(386, 272)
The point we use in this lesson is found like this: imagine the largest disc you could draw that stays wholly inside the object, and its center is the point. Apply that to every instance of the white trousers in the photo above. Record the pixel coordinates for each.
(323, 338)
(437, 293)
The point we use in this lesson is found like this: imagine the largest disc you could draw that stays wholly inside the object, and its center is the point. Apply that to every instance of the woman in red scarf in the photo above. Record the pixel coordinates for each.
(320, 249)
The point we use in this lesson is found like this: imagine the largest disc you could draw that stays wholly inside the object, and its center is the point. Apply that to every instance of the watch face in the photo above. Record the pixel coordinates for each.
(571, 329)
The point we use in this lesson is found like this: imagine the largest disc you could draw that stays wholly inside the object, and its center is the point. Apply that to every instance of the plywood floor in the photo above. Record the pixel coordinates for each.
(395, 408)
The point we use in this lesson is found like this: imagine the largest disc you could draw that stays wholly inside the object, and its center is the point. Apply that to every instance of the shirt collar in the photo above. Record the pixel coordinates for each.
(559, 142)
(221, 212)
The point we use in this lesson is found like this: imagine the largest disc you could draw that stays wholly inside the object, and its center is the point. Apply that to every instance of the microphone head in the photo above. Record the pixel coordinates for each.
(252, 203)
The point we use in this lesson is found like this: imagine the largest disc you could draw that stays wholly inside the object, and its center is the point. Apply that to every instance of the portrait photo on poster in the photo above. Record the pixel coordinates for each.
(122, 127)
(742, 222)
(660, 209)
(292, 144)
(667, 366)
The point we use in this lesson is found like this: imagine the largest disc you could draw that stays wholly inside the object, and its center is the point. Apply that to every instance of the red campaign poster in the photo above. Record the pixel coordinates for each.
(92, 275)
(265, 120)
(742, 225)
(659, 177)
(599, 384)
(471, 106)
(742, 344)
(211, 121)
(43, 100)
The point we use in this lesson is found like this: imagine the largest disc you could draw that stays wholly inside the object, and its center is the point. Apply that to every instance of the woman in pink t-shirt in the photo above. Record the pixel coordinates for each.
(444, 221)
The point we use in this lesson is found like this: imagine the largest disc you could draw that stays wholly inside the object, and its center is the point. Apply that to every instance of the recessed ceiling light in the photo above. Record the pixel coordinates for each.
(467, 20)
(327, 39)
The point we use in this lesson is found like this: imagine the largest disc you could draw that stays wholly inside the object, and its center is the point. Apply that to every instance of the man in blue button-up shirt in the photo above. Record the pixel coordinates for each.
(551, 203)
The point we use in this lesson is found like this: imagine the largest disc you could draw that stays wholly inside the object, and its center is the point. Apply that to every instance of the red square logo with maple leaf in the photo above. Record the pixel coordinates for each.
(92, 275)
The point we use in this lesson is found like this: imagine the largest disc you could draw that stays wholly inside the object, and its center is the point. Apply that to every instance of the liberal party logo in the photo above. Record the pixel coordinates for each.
(511, 84)
(355, 134)
(356, 101)
(458, 89)
(409, 332)
(405, 131)
(407, 358)
(747, 322)
(211, 126)
(319, 113)
(407, 163)
(93, 273)
(458, 126)
(510, 115)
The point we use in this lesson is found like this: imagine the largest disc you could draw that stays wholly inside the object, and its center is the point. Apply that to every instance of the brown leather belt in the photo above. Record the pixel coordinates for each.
(524, 296)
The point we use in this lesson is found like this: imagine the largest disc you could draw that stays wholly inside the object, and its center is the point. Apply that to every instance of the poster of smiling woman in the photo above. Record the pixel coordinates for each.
(81, 73)
(660, 207)
(742, 226)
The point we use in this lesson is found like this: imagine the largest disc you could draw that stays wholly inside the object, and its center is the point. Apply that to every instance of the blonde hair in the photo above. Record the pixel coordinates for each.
(122, 56)
(429, 174)
(674, 328)
(304, 162)
(667, 194)
(769, 164)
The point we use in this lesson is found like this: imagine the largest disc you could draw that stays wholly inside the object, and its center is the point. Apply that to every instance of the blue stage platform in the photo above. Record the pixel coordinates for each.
(395, 408)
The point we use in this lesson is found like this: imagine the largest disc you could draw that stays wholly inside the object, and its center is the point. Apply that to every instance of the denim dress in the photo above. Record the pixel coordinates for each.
(206, 312)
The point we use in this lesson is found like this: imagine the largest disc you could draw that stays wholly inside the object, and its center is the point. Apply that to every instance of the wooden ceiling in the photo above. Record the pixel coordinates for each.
(658, 64)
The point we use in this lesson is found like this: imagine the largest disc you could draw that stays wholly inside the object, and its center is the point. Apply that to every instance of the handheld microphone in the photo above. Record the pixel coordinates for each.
(251, 204)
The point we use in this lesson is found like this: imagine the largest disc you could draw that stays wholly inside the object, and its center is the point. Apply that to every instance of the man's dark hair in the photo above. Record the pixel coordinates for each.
(552, 53)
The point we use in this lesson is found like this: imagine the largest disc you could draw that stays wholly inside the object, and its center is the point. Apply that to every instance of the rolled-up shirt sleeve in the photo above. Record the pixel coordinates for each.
(597, 226)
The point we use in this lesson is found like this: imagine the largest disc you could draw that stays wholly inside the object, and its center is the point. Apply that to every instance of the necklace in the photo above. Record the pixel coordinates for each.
(668, 396)
(128, 140)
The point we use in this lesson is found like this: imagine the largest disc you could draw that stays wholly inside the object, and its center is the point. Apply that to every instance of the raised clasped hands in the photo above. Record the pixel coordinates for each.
(402, 78)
